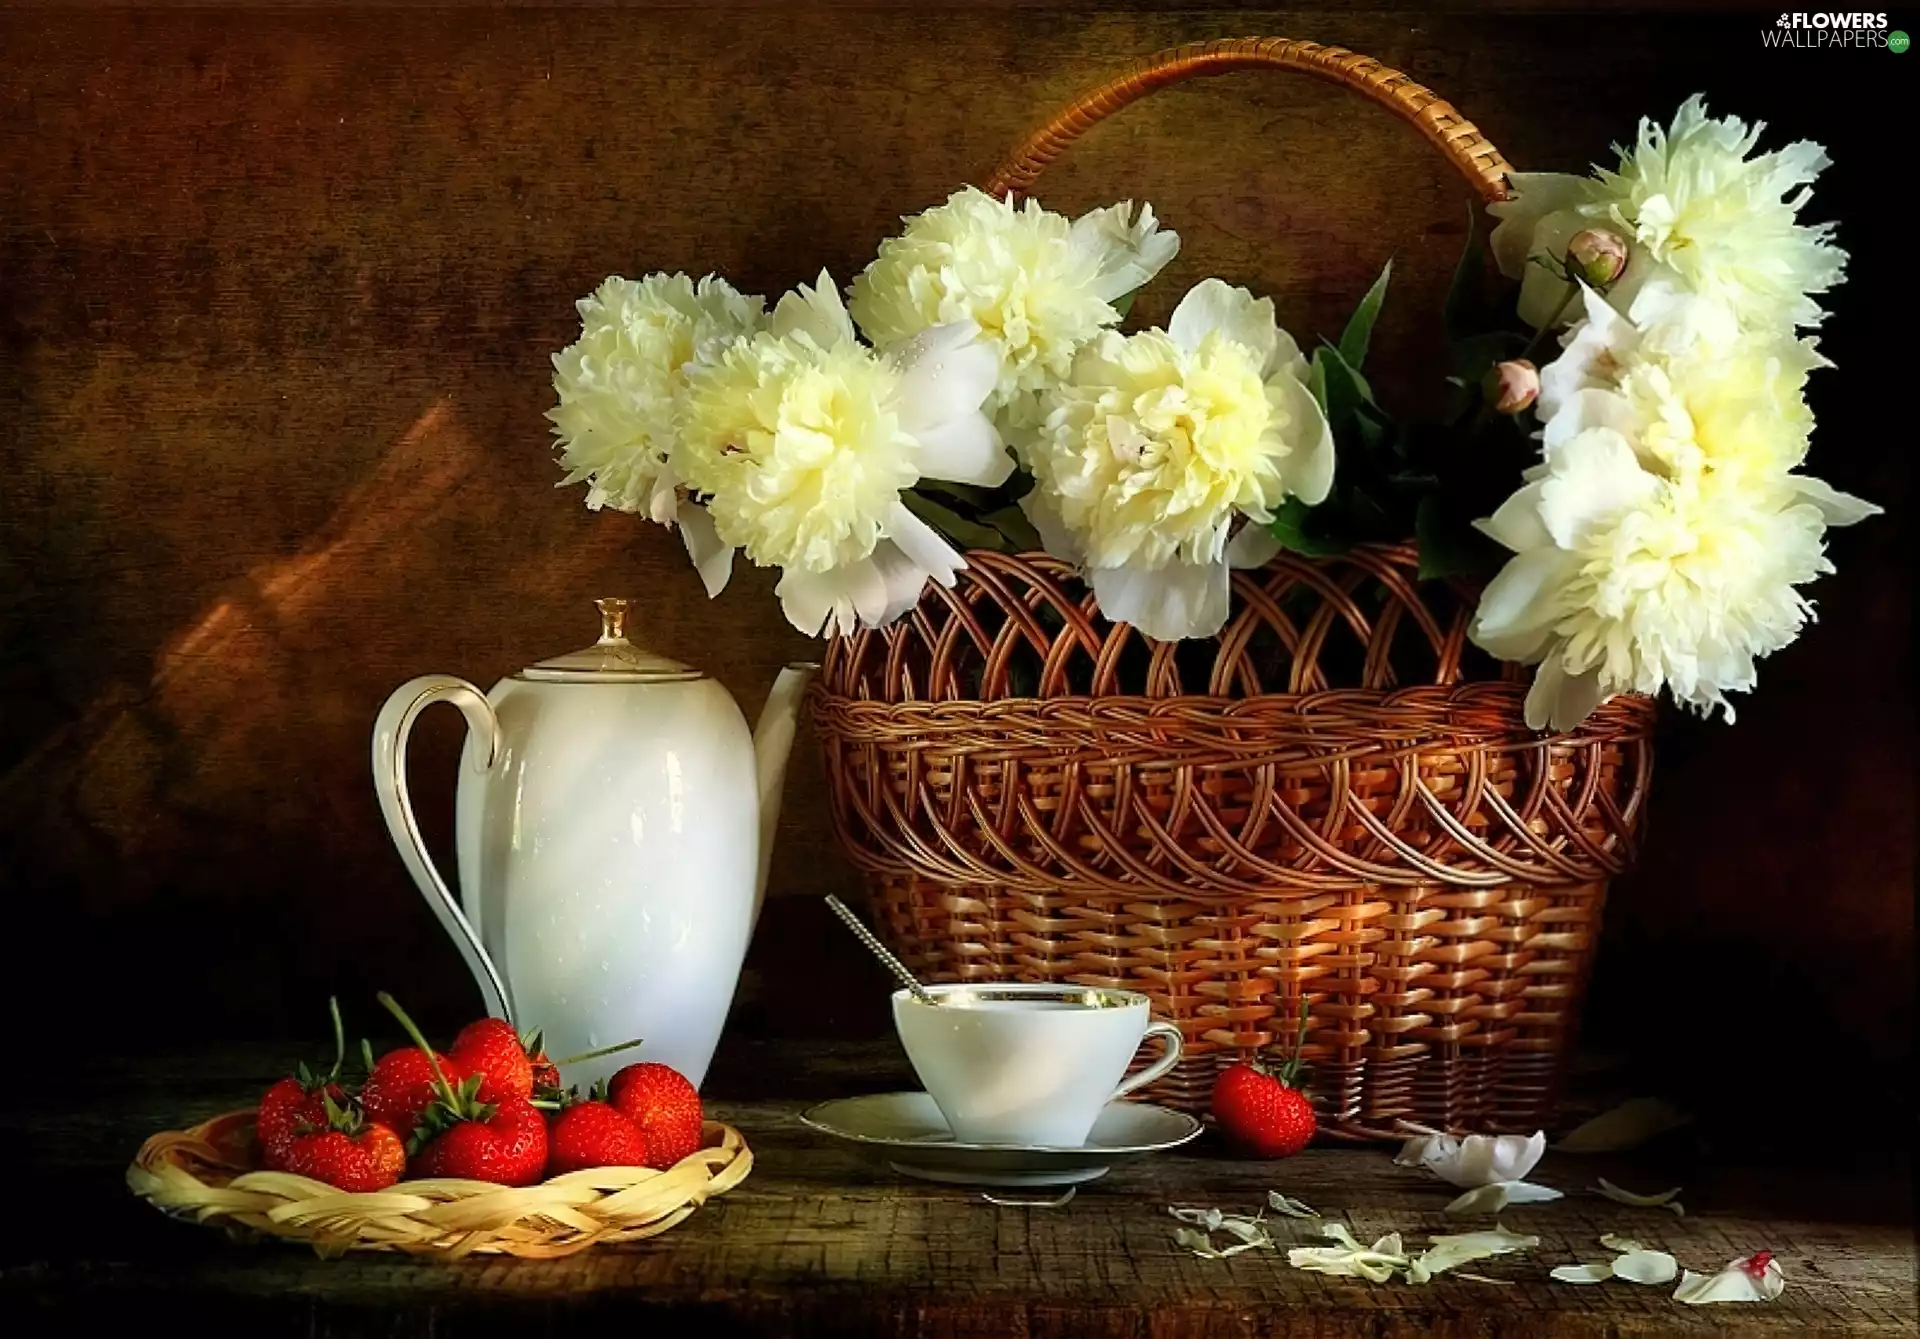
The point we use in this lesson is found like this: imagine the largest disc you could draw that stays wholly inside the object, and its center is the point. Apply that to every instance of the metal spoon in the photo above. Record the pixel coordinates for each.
(880, 951)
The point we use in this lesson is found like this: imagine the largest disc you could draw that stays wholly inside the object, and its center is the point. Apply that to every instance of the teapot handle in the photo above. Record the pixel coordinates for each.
(390, 733)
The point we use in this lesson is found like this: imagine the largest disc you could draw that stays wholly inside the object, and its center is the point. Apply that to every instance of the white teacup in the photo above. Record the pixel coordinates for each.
(1030, 1065)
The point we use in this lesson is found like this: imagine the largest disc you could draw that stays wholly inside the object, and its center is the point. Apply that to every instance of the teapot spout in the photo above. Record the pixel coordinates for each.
(772, 744)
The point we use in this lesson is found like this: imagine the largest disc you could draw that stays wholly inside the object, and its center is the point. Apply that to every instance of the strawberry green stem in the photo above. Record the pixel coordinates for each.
(392, 1006)
(339, 1039)
(604, 1050)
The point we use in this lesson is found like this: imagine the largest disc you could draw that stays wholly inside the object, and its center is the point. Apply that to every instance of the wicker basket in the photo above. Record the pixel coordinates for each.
(207, 1174)
(1330, 802)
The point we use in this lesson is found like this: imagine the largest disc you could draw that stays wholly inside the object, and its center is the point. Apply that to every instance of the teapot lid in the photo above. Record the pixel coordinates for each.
(612, 659)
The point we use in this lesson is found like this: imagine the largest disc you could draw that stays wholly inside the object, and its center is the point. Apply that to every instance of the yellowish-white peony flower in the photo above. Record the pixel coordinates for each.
(1699, 214)
(1157, 442)
(802, 439)
(621, 385)
(1628, 580)
(1037, 286)
(1737, 406)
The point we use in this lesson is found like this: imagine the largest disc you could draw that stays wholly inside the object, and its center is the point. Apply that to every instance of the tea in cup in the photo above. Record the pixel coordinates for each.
(1028, 1065)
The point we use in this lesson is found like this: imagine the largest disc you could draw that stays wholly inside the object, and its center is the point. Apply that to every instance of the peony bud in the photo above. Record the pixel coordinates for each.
(1596, 255)
(1512, 386)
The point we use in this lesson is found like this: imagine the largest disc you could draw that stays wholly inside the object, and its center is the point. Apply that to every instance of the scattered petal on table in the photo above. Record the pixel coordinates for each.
(1292, 1208)
(1594, 1273)
(1650, 1267)
(1663, 1200)
(1484, 1199)
(1449, 1252)
(1754, 1278)
(1624, 1245)
(1628, 1125)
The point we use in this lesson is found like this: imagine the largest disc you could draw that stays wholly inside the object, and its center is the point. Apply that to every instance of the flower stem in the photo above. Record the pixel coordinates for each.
(339, 1039)
(604, 1050)
(1540, 335)
(392, 1006)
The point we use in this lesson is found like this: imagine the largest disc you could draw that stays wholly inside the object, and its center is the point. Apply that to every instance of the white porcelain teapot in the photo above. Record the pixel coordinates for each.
(613, 827)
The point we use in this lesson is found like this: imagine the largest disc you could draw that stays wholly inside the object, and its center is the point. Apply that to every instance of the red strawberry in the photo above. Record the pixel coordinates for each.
(504, 1141)
(1263, 1111)
(665, 1107)
(400, 1087)
(348, 1151)
(460, 1136)
(494, 1051)
(297, 1103)
(593, 1134)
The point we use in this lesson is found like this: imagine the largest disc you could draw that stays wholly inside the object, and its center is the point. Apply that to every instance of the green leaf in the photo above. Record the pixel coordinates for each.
(1464, 294)
(1359, 332)
(1317, 382)
(1296, 526)
(971, 495)
(1124, 303)
(1448, 547)
(963, 532)
(1012, 523)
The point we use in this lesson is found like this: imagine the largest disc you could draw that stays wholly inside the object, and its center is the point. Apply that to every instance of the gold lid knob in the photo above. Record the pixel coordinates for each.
(613, 619)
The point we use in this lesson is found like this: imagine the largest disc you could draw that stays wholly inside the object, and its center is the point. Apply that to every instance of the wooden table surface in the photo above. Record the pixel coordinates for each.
(820, 1241)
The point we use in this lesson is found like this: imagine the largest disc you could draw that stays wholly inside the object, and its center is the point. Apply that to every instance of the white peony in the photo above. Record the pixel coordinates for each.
(1735, 406)
(1037, 286)
(802, 439)
(619, 384)
(1699, 214)
(620, 387)
(1157, 442)
(1628, 580)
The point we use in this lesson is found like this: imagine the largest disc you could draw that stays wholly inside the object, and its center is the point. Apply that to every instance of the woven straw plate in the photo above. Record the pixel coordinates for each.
(207, 1174)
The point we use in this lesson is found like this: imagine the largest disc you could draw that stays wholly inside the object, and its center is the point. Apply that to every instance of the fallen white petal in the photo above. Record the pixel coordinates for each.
(1448, 1252)
(1624, 1245)
(1735, 1283)
(1664, 1200)
(1247, 1229)
(1207, 1218)
(1415, 1151)
(1626, 1126)
(1292, 1208)
(1482, 1199)
(1594, 1273)
(1482, 1278)
(1479, 1159)
(1351, 1264)
(1649, 1267)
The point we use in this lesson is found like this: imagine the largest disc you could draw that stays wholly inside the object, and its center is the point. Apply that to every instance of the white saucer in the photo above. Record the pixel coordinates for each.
(908, 1131)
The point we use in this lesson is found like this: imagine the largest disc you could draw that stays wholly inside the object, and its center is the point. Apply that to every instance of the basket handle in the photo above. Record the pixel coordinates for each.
(1457, 138)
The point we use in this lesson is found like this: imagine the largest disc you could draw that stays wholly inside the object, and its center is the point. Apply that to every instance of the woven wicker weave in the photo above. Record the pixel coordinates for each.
(207, 1174)
(1332, 801)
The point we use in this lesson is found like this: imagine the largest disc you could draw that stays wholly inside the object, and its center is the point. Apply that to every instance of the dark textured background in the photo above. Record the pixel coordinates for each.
(277, 293)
